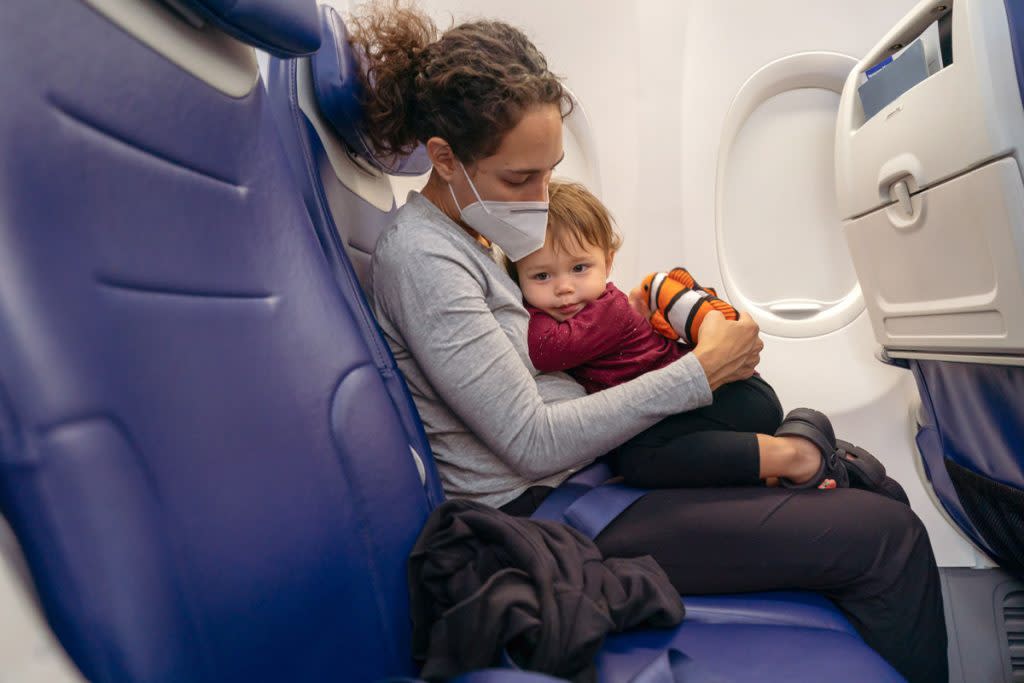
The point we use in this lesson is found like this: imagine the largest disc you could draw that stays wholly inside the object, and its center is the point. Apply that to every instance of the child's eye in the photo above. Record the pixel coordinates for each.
(580, 267)
(540, 277)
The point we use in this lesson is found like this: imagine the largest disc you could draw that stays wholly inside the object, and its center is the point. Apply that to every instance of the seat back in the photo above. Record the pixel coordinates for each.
(198, 452)
(933, 200)
(347, 192)
(972, 443)
(347, 185)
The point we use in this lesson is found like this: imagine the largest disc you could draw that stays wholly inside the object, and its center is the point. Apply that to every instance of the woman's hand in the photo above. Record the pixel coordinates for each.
(728, 350)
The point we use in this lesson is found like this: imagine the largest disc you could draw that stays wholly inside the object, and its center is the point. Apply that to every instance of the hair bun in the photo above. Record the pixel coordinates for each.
(469, 87)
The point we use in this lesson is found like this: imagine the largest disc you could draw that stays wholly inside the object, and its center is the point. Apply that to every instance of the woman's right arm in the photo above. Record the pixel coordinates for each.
(439, 307)
(728, 350)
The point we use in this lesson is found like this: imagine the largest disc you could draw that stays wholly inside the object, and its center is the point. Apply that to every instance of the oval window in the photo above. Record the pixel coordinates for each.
(781, 247)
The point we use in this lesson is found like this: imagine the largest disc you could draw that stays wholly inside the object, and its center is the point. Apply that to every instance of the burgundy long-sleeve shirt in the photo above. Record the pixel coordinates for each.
(605, 344)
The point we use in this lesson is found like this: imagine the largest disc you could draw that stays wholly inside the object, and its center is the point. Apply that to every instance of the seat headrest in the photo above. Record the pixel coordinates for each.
(284, 28)
(337, 86)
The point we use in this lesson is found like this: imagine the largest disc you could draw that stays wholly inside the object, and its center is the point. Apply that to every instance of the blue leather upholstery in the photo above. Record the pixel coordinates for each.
(504, 676)
(336, 78)
(1015, 20)
(198, 446)
(975, 419)
(777, 654)
(746, 653)
(308, 160)
(286, 28)
(979, 415)
(777, 608)
(930, 446)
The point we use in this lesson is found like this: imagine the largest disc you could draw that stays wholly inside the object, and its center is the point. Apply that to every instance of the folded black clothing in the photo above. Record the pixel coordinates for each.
(483, 582)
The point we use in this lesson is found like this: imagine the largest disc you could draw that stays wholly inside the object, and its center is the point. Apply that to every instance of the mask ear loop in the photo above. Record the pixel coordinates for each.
(479, 199)
(471, 186)
(453, 198)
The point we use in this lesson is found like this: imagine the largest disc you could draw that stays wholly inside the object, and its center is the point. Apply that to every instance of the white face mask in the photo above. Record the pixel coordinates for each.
(517, 227)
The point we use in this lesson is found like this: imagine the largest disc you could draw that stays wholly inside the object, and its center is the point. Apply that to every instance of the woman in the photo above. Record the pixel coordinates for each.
(483, 102)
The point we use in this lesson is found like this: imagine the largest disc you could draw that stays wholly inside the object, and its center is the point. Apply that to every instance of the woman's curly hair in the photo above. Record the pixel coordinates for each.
(469, 87)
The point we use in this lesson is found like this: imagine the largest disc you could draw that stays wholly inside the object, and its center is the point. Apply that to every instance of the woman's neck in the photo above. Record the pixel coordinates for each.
(437, 192)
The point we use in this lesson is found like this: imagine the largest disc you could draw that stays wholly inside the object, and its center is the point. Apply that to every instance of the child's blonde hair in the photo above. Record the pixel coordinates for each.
(576, 219)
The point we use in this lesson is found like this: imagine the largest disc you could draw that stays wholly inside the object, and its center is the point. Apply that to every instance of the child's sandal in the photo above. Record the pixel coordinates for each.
(843, 464)
(868, 473)
(816, 428)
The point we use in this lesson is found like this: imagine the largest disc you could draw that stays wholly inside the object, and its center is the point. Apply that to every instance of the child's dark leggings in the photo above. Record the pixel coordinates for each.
(710, 446)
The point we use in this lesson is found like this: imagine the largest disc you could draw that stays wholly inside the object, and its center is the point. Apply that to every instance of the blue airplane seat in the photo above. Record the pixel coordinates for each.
(352, 202)
(191, 422)
(971, 442)
(199, 452)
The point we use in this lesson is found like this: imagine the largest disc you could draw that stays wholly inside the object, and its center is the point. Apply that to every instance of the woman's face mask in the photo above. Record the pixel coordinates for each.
(517, 227)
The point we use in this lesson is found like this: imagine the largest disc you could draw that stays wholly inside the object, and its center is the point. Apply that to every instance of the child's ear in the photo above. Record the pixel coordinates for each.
(609, 259)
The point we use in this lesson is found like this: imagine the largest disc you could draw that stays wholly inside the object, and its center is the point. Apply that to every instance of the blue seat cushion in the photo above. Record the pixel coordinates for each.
(750, 652)
(586, 493)
(778, 608)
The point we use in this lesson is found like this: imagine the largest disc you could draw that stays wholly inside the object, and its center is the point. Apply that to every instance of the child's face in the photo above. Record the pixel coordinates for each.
(562, 281)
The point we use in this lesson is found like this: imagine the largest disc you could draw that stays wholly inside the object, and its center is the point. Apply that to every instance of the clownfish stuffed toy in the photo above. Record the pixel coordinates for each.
(679, 305)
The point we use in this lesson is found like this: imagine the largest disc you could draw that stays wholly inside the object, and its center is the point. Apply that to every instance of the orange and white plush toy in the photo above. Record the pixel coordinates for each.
(678, 305)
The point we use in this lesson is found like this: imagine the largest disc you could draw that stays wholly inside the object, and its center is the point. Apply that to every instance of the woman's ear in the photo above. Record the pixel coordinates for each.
(442, 157)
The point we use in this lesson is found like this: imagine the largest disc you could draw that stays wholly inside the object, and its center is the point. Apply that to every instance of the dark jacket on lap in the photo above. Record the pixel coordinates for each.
(482, 582)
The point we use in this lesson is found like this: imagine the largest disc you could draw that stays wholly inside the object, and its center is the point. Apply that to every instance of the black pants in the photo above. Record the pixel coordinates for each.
(711, 446)
(869, 554)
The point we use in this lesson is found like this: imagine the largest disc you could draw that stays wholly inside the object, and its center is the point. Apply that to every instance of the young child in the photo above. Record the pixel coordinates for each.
(582, 324)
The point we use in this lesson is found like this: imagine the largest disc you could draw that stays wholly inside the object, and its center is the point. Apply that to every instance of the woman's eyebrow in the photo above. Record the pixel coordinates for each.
(527, 171)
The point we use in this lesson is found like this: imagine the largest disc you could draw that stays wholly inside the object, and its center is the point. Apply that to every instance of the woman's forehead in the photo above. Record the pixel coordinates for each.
(534, 144)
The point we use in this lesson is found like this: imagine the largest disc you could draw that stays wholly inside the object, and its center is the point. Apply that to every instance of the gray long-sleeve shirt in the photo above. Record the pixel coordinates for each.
(456, 323)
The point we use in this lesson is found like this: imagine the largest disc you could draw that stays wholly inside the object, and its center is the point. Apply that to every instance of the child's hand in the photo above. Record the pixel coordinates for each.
(638, 301)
